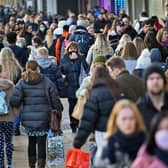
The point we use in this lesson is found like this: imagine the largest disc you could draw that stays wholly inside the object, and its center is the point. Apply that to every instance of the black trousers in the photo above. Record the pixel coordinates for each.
(73, 121)
(40, 141)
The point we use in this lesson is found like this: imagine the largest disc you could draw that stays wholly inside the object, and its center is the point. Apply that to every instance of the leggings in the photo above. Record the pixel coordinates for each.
(6, 134)
(40, 141)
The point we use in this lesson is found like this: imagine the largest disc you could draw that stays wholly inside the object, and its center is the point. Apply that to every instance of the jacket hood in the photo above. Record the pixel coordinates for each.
(5, 84)
(80, 29)
(44, 62)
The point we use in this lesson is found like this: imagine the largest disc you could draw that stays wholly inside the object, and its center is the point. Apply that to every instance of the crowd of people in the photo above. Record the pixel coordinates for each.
(120, 70)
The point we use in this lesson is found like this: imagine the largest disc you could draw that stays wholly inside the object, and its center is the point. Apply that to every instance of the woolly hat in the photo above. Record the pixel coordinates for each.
(155, 55)
(99, 60)
(154, 68)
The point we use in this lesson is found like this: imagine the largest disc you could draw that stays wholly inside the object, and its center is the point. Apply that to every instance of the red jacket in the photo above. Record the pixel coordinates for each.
(144, 160)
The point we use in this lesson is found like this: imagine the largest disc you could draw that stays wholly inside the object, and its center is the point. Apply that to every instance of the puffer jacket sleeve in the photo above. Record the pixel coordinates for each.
(17, 96)
(88, 121)
(54, 96)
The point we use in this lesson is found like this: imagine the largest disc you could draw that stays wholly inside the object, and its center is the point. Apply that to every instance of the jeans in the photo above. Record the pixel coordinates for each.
(40, 141)
(6, 134)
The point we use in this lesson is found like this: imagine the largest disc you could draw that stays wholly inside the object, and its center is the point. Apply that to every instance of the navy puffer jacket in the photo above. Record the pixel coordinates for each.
(71, 70)
(33, 98)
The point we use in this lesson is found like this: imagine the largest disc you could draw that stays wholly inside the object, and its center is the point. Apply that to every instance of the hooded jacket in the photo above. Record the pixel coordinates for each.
(51, 70)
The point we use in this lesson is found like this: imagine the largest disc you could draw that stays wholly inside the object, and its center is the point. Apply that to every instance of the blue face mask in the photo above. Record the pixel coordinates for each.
(42, 29)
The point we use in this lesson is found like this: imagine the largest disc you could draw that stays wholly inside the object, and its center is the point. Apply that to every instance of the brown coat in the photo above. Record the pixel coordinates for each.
(131, 85)
(7, 86)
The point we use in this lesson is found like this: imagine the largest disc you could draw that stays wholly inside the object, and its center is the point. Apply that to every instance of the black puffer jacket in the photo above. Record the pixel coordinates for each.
(32, 95)
(96, 113)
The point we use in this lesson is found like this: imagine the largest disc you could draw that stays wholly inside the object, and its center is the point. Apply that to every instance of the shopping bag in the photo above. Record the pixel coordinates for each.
(83, 74)
(77, 159)
(55, 148)
(78, 109)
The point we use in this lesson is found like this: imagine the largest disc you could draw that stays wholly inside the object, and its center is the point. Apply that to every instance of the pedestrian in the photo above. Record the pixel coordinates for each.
(31, 92)
(50, 70)
(103, 93)
(6, 120)
(13, 72)
(155, 151)
(100, 47)
(155, 98)
(125, 135)
(70, 66)
(139, 44)
(131, 85)
(129, 55)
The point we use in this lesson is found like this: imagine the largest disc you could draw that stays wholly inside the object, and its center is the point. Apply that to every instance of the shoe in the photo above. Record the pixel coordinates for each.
(32, 162)
(17, 132)
(41, 163)
(73, 130)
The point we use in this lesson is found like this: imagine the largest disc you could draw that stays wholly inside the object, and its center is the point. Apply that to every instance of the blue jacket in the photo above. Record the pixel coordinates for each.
(71, 70)
(53, 72)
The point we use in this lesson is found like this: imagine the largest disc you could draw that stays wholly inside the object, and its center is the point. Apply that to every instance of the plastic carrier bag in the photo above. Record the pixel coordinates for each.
(55, 148)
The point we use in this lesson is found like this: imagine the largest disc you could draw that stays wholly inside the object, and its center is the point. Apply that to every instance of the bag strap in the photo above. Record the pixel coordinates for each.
(47, 94)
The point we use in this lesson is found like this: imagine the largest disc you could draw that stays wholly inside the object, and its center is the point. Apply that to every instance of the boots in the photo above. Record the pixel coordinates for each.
(32, 162)
(41, 163)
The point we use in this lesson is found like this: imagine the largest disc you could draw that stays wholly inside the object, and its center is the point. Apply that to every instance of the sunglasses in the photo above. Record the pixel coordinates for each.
(70, 52)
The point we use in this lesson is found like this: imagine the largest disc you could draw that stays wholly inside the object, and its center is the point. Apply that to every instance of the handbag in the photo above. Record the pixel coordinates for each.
(55, 116)
(78, 109)
(77, 159)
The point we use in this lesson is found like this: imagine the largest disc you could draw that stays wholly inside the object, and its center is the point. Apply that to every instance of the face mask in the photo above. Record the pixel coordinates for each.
(42, 29)
(161, 138)
(19, 45)
(35, 45)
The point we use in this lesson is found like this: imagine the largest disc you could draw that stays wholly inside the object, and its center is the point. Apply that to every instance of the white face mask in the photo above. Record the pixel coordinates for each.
(19, 44)
(42, 29)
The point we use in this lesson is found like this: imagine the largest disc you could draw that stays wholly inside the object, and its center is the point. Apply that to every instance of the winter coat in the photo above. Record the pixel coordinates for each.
(147, 109)
(28, 37)
(96, 113)
(83, 38)
(71, 70)
(131, 32)
(131, 85)
(19, 54)
(52, 71)
(144, 160)
(32, 96)
(7, 86)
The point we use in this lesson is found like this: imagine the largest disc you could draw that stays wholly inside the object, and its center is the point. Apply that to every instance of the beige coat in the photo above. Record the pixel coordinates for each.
(7, 86)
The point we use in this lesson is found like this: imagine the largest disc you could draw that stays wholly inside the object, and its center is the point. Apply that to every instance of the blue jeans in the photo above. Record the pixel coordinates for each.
(16, 124)
(92, 149)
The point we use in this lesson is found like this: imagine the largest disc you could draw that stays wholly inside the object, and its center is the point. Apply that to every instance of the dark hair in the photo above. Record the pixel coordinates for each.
(101, 76)
(151, 144)
(37, 40)
(150, 40)
(0, 68)
(11, 37)
(66, 28)
(115, 62)
(144, 14)
(146, 22)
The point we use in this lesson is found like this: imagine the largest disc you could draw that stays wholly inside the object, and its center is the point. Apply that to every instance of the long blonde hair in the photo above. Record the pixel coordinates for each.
(49, 38)
(10, 64)
(101, 46)
(112, 127)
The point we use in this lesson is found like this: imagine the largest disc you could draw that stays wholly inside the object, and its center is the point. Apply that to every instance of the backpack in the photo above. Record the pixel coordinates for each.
(83, 41)
(4, 109)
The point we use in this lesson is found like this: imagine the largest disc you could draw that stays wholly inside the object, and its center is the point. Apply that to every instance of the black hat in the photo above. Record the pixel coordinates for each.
(120, 23)
(154, 68)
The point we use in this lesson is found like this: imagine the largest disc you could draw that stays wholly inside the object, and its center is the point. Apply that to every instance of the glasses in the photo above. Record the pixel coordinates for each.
(70, 52)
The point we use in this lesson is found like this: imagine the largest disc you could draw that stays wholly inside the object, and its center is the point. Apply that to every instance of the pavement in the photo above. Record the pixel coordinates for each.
(20, 159)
